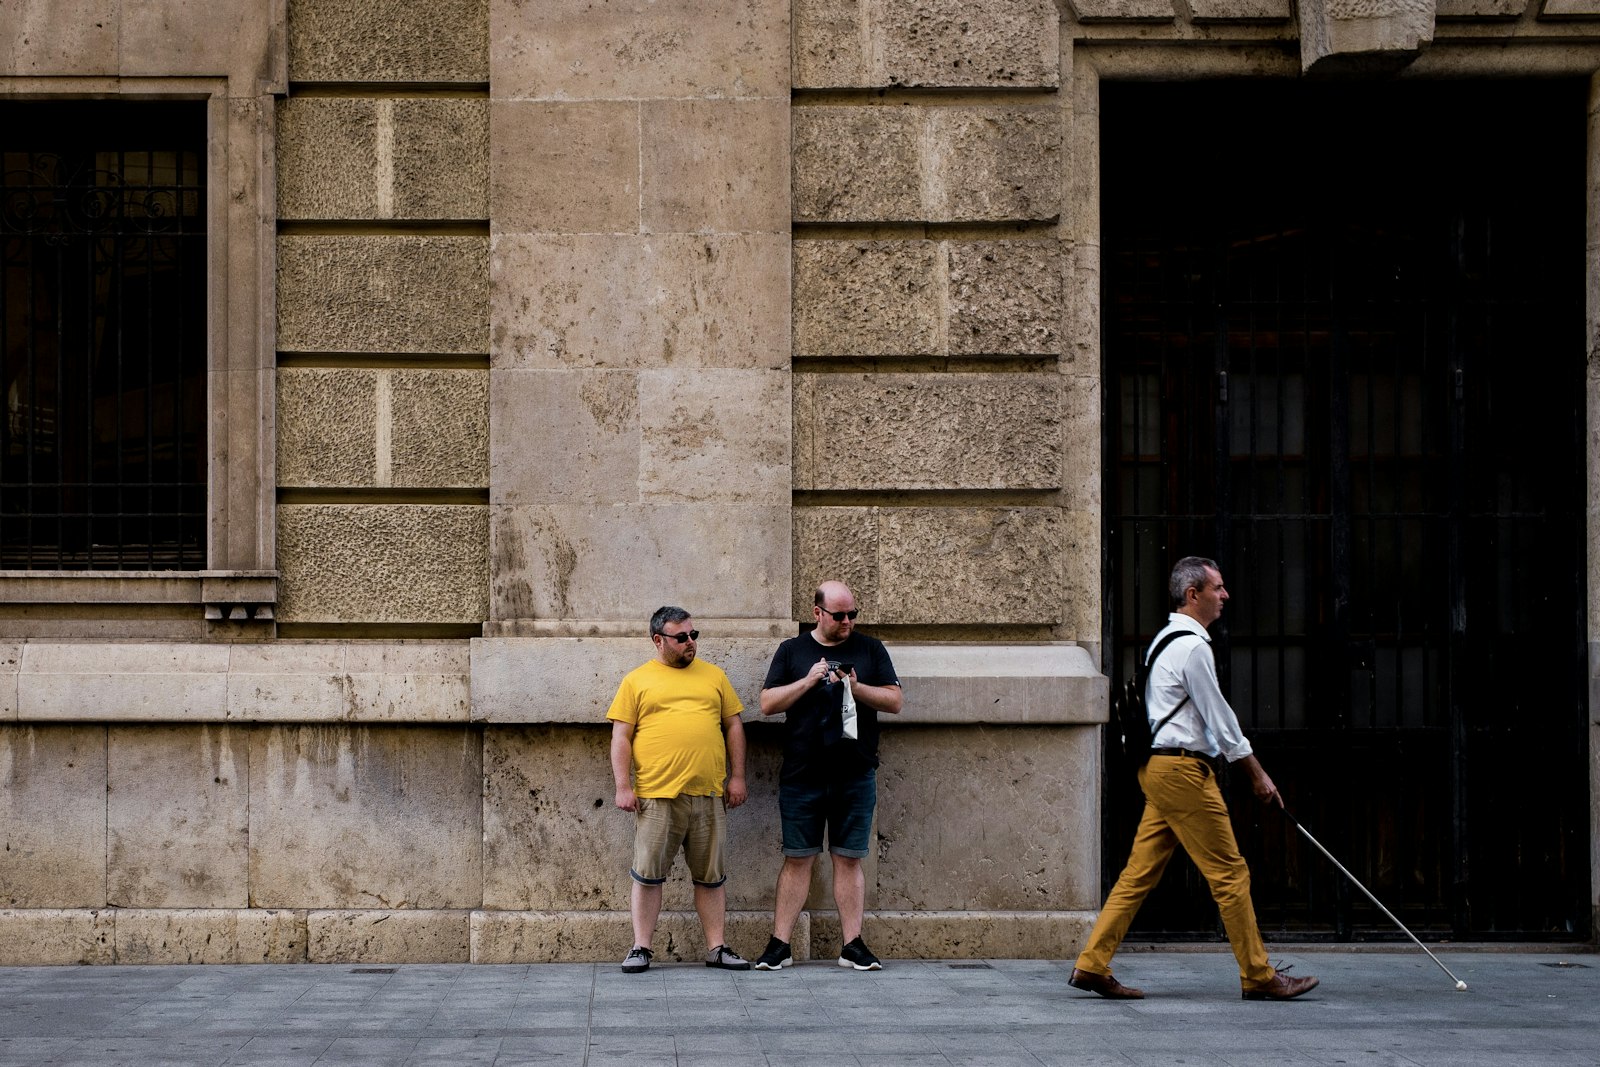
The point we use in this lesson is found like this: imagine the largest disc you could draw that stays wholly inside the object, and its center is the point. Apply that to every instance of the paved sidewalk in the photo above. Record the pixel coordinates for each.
(1392, 1007)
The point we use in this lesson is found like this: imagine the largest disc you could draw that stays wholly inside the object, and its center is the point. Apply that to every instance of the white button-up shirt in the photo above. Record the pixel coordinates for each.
(1206, 723)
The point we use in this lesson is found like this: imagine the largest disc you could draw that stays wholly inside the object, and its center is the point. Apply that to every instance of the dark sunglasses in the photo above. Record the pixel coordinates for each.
(840, 616)
(683, 638)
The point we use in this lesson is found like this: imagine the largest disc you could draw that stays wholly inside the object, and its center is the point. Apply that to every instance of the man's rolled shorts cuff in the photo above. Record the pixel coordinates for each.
(718, 884)
(802, 853)
(849, 853)
(637, 877)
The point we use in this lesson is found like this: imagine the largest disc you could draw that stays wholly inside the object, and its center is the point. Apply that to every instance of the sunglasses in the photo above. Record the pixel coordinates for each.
(683, 638)
(840, 616)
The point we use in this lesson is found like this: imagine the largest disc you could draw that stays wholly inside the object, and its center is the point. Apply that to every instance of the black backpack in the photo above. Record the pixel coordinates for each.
(1129, 711)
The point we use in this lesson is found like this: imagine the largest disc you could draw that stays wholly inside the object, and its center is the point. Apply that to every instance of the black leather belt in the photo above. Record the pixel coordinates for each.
(1190, 753)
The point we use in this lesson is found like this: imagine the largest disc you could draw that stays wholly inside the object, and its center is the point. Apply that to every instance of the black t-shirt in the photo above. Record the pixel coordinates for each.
(814, 747)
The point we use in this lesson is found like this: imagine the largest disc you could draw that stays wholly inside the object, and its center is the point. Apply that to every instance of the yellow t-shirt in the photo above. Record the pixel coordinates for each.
(677, 713)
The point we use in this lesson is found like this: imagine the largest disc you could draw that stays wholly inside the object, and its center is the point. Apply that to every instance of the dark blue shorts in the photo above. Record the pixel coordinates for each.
(843, 809)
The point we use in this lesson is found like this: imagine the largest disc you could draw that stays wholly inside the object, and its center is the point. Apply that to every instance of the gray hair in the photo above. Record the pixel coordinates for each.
(664, 615)
(1189, 573)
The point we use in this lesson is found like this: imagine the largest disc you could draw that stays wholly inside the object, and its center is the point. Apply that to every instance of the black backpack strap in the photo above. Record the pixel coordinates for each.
(1149, 666)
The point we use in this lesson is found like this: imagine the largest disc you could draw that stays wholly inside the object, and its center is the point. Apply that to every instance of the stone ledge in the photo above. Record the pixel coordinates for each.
(960, 935)
(590, 936)
(376, 681)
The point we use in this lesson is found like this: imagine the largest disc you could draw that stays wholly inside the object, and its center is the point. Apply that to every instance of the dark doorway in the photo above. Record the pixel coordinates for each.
(1344, 355)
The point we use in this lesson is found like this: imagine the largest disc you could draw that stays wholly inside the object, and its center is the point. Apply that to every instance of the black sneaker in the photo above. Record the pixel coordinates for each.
(856, 954)
(637, 959)
(776, 957)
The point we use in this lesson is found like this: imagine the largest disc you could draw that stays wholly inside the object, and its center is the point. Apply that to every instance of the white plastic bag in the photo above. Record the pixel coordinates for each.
(848, 710)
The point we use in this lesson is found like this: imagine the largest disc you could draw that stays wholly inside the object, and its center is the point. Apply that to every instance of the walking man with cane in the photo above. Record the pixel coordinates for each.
(1183, 805)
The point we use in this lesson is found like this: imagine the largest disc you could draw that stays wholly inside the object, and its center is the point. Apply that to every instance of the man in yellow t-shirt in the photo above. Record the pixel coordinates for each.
(671, 720)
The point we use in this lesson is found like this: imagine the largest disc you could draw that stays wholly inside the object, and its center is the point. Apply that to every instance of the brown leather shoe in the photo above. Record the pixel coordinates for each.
(1108, 986)
(1282, 987)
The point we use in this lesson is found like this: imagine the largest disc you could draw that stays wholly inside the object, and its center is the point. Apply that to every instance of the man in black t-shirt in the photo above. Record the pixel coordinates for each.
(830, 758)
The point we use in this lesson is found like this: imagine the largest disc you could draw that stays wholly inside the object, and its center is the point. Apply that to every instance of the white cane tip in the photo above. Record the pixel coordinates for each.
(1460, 985)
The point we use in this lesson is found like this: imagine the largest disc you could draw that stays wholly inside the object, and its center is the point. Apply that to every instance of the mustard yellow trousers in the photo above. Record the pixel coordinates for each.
(1182, 806)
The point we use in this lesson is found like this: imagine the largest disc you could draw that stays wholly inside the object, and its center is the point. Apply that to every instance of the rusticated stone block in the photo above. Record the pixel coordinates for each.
(954, 854)
(1363, 35)
(207, 936)
(177, 817)
(41, 937)
(441, 159)
(836, 544)
(927, 431)
(382, 563)
(553, 836)
(856, 163)
(993, 565)
(327, 427)
(327, 158)
(1244, 10)
(935, 565)
(391, 40)
(439, 428)
(1123, 10)
(565, 167)
(572, 679)
(564, 436)
(714, 166)
(640, 301)
(867, 298)
(927, 43)
(714, 437)
(388, 936)
(962, 935)
(365, 817)
(53, 816)
(1006, 297)
(586, 936)
(341, 293)
(993, 164)
(599, 562)
(668, 49)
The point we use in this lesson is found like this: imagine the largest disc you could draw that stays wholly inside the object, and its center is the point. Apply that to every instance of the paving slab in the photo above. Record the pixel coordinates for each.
(1391, 1008)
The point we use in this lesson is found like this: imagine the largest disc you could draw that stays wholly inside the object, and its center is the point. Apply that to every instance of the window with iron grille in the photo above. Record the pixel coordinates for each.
(103, 335)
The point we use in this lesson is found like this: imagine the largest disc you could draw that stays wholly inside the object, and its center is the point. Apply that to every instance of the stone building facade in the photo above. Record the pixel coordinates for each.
(527, 318)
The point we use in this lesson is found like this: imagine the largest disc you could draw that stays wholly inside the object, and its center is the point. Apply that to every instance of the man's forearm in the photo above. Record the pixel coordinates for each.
(883, 698)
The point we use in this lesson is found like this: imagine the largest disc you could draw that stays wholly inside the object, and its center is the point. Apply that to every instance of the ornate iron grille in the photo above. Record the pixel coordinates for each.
(1345, 356)
(102, 335)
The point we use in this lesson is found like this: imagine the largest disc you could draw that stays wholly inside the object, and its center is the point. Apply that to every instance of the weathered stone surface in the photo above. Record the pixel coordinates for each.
(327, 158)
(595, 562)
(42, 937)
(868, 298)
(839, 544)
(327, 427)
(990, 164)
(383, 563)
(572, 679)
(59, 37)
(1013, 43)
(340, 293)
(10, 665)
(1244, 10)
(927, 431)
(1000, 684)
(177, 817)
(1006, 297)
(828, 46)
(576, 50)
(955, 565)
(714, 437)
(1080, 402)
(565, 167)
(934, 565)
(857, 163)
(554, 837)
(956, 855)
(439, 428)
(650, 301)
(441, 159)
(365, 817)
(349, 681)
(84, 681)
(387, 936)
(1569, 9)
(714, 166)
(585, 936)
(1123, 10)
(1081, 602)
(392, 40)
(564, 436)
(209, 936)
(957, 935)
(1363, 34)
(53, 816)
